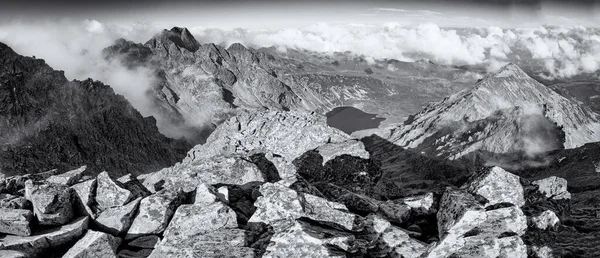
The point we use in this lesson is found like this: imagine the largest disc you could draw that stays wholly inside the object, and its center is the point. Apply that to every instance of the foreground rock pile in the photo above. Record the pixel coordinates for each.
(239, 195)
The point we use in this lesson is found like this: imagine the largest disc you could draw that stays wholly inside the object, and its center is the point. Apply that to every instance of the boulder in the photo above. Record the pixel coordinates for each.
(395, 211)
(14, 202)
(504, 220)
(459, 212)
(280, 202)
(553, 187)
(205, 194)
(15, 221)
(204, 231)
(542, 252)
(85, 193)
(132, 184)
(110, 193)
(144, 242)
(94, 244)
(545, 220)
(296, 239)
(497, 186)
(43, 240)
(154, 213)
(52, 203)
(67, 178)
(117, 220)
(478, 246)
(14, 184)
(396, 242)
(421, 204)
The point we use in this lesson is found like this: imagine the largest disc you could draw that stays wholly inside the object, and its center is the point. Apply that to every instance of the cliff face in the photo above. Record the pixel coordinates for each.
(49, 122)
(504, 112)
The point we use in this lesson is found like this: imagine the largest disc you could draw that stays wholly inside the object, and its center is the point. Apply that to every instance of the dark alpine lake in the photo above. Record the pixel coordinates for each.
(351, 119)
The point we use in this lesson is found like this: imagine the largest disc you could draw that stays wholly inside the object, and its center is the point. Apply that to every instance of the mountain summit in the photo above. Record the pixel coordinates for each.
(498, 115)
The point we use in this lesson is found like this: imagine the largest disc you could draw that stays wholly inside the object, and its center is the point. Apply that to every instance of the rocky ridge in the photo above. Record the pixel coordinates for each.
(505, 112)
(48, 122)
(244, 194)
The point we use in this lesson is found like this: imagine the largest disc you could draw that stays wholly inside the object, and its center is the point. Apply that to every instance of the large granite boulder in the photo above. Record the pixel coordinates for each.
(497, 186)
(52, 203)
(44, 240)
(68, 178)
(154, 213)
(546, 220)
(15, 221)
(110, 193)
(94, 244)
(204, 230)
(553, 187)
(85, 197)
(117, 220)
(280, 202)
(14, 202)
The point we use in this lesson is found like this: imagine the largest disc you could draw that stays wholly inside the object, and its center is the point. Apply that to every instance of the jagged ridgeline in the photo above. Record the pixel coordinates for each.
(48, 122)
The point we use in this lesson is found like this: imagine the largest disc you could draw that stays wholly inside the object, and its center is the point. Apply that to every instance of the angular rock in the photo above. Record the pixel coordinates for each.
(395, 242)
(421, 204)
(459, 212)
(280, 202)
(68, 178)
(141, 253)
(52, 204)
(542, 252)
(134, 186)
(394, 211)
(547, 219)
(205, 231)
(117, 220)
(14, 202)
(154, 213)
(144, 241)
(477, 246)
(110, 193)
(85, 192)
(50, 238)
(205, 194)
(14, 184)
(94, 244)
(223, 193)
(292, 239)
(504, 220)
(15, 221)
(497, 186)
(553, 187)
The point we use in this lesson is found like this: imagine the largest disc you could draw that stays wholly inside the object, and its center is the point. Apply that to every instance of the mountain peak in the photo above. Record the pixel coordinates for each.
(509, 70)
(180, 36)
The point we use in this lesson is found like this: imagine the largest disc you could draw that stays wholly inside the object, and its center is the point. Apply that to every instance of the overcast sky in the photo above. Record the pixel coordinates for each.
(279, 14)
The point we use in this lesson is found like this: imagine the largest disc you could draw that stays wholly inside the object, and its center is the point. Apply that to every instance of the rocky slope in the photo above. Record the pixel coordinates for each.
(48, 122)
(505, 112)
(201, 85)
(276, 184)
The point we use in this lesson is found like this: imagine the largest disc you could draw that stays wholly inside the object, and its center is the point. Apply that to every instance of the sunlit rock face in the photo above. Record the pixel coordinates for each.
(504, 112)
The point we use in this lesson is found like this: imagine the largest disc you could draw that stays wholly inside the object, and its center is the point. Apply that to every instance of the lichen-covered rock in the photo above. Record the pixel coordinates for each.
(50, 238)
(52, 204)
(497, 186)
(421, 204)
(504, 220)
(205, 231)
(395, 211)
(117, 220)
(110, 193)
(205, 194)
(545, 220)
(553, 187)
(542, 252)
(15, 221)
(295, 239)
(68, 178)
(459, 212)
(132, 184)
(94, 244)
(395, 242)
(154, 213)
(280, 202)
(84, 197)
(14, 202)
(480, 246)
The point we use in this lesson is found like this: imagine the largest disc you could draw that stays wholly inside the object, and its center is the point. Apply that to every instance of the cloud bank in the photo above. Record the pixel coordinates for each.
(561, 52)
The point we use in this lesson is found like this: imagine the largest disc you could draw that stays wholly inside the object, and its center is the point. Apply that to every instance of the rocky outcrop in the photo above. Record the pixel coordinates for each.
(94, 244)
(49, 122)
(496, 186)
